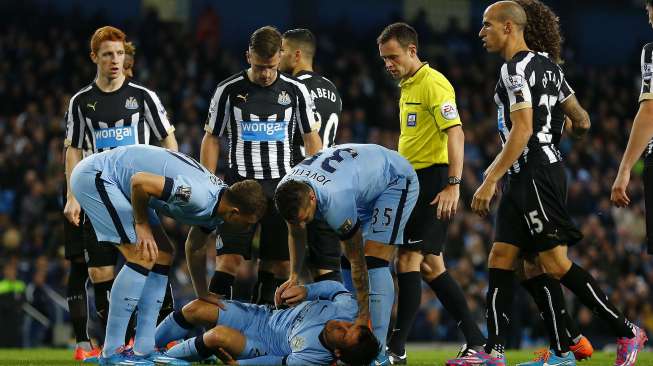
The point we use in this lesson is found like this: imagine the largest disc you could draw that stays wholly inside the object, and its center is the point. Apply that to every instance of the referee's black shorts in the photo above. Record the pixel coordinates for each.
(274, 233)
(424, 232)
(648, 202)
(533, 214)
(81, 242)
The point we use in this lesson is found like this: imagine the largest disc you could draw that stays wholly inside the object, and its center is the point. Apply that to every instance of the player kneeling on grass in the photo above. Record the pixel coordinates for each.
(317, 329)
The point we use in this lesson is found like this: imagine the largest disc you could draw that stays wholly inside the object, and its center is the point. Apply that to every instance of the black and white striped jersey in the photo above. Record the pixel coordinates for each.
(532, 80)
(260, 122)
(647, 84)
(328, 105)
(99, 121)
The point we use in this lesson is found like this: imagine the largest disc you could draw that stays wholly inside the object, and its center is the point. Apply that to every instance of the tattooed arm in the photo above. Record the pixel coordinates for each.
(355, 253)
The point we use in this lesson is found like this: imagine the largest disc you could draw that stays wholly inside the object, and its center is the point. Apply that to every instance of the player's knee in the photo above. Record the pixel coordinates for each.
(216, 337)
(501, 256)
(556, 267)
(196, 312)
(408, 261)
(532, 268)
(432, 267)
(100, 274)
(229, 263)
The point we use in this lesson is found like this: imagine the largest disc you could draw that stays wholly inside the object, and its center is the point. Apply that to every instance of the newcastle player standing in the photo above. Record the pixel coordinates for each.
(258, 109)
(297, 54)
(532, 216)
(640, 140)
(110, 112)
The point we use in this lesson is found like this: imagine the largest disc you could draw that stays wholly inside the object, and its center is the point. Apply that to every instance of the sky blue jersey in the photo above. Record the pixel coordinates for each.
(299, 327)
(190, 195)
(349, 179)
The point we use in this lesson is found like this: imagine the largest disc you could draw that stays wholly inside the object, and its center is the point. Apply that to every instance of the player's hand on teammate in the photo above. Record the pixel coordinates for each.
(446, 202)
(294, 295)
(292, 281)
(225, 357)
(619, 197)
(72, 210)
(482, 198)
(214, 299)
(145, 243)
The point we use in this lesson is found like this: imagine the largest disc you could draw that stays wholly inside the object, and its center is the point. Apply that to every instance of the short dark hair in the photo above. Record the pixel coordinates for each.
(364, 351)
(248, 197)
(402, 32)
(648, 2)
(290, 197)
(265, 41)
(304, 39)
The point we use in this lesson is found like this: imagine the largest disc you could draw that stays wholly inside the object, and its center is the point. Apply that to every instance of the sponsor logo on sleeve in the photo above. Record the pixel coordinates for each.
(515, 82)
(411, 120)
(183, 193)
(647, 71)
(346, 226)
(449, 111)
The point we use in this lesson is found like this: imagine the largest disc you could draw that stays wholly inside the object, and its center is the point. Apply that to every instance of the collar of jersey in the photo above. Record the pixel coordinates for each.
(416, 76)
(124, 85)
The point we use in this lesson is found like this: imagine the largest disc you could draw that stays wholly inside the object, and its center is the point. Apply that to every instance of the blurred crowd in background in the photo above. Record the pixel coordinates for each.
(44, 60)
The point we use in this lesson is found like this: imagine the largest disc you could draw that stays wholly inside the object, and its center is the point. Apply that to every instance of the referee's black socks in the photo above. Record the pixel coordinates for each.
(452, 298)
(583, 285)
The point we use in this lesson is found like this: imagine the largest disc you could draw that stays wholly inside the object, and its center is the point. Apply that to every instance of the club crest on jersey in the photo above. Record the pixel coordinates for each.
(515, 82)
(411, 120)
(449, 111)
(297, 344)
(131, 103)
(284, 98)
(183, 193)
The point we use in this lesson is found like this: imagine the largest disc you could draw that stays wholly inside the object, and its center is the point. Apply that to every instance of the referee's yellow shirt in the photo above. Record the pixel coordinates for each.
(427, 108)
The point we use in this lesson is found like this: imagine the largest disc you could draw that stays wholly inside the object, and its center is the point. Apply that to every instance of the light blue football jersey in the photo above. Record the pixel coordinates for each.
(299, 328)
(348, 180)
(190, 194)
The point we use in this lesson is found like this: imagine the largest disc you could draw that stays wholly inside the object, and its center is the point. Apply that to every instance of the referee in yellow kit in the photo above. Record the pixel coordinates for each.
(432, 139)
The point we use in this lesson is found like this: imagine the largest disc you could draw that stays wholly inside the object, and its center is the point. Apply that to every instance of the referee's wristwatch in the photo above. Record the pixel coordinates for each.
(453, 180)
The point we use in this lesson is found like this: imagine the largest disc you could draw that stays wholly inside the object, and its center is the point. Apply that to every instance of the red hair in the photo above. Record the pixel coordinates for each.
(106, 33)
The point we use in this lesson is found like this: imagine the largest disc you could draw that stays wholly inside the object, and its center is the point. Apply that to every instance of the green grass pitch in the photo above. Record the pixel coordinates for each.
(416, 356)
